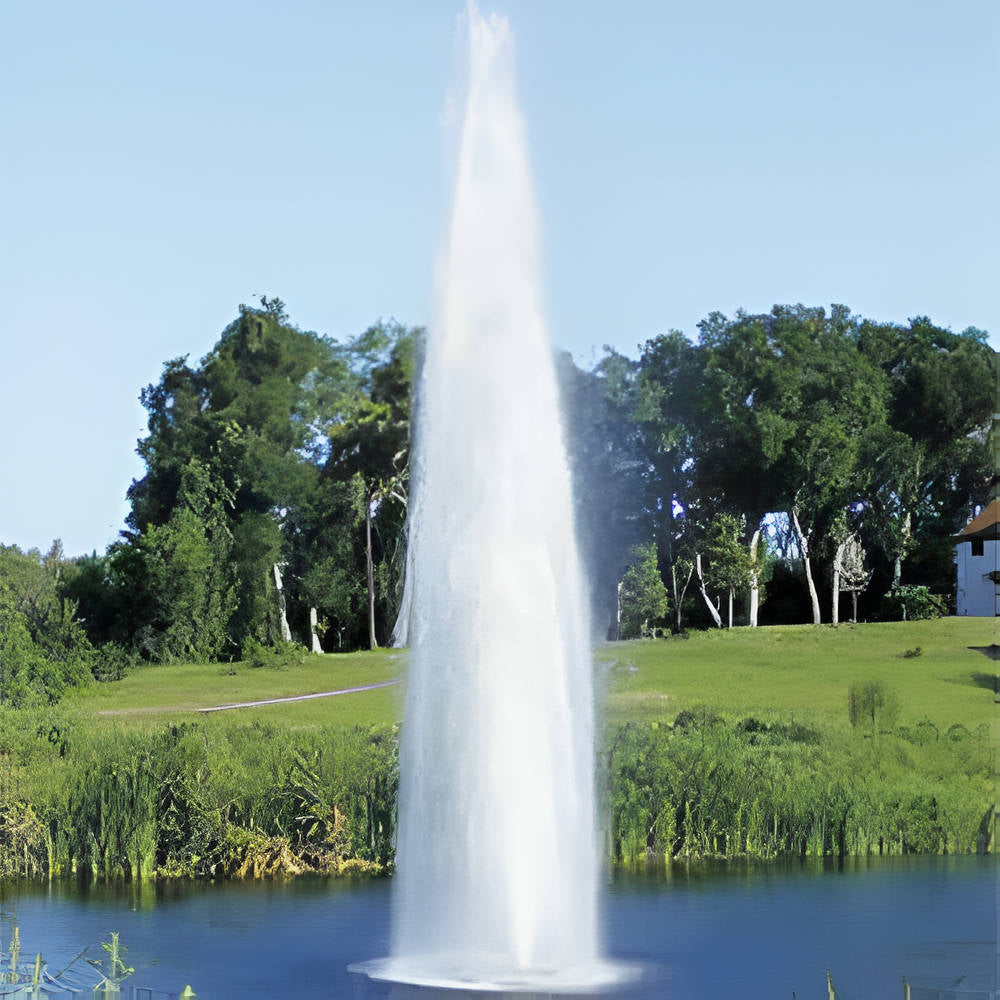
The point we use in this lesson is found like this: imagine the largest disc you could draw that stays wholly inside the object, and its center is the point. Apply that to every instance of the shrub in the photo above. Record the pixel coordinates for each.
(872, 705)
(281, 654)
(642, 596)
(912, 603)
(112, 662)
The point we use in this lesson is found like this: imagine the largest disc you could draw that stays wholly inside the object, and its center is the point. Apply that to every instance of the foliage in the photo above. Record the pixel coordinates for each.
(266, 453)
(43, 649)
(284, 448)
(705, 788)
(872, 705)
(912, 603)
(236, 801)
(728, 558)
(732, 744)
(113, 968)
(642, 594)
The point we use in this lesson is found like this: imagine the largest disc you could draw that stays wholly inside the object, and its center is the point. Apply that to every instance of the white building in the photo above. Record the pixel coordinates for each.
(977, 561)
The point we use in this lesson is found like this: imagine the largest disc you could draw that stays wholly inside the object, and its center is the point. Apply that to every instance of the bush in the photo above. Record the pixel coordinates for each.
(112, 662)
(912, 603)
(872, 705)
(281, 654)
(642, 596)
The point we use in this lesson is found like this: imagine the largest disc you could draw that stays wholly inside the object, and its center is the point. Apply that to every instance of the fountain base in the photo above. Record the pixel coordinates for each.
(457, 975)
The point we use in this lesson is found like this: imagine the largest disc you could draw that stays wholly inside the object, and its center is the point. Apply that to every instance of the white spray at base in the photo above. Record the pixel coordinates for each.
(497, 862)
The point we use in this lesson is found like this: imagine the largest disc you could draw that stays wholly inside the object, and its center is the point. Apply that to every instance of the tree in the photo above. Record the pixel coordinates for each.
(849, 574)
(789, 399)
(932, 463)
(666, 409)
(894, 470)
(43, 648)
(729, 562)
(369, 441)
(608, 472)
(232, 449)
(642, 598)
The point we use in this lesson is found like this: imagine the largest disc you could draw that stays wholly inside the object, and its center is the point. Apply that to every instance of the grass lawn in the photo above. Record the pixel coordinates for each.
(152, 695)
(777, 673)
(803, 672)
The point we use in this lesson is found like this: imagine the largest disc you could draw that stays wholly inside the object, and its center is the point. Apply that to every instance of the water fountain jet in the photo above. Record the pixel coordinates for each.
(497, 859)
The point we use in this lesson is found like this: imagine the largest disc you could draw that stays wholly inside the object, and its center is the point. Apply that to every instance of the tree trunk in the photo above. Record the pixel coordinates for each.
(286, 632)
(618, 612)
(835, 604)
(316, 647)
(372, 642)
(854, 606)
(730, 607)
(897, 563)
(713, 610)
(679, 595)
(754, 579)
(804, 549)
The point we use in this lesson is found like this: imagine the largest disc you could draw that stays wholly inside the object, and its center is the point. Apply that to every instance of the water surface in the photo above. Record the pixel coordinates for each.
(757, 932)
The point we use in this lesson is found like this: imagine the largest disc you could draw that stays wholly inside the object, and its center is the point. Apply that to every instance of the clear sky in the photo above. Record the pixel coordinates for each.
(162, 163)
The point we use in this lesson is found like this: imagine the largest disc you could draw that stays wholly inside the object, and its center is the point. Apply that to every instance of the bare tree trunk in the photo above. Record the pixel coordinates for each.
(713, 610)
(804, 549)
(754, 579)
(618, 612)
(316, 647)
(854, 606)
(897, 563)
(286, 632)
(835, 605)
(372, 642)
(730, 607)
(679, 594)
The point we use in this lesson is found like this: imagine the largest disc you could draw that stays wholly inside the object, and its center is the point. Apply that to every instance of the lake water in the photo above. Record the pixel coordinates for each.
(753, 932)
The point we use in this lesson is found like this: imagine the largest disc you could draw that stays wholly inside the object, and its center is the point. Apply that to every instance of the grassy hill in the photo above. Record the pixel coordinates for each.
(780, 673)
(733, 744)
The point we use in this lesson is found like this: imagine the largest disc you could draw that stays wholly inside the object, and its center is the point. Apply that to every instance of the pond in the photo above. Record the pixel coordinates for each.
(742, 931)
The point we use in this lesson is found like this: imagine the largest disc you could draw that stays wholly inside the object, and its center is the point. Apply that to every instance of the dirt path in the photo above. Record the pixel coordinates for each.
(253, 704)
(299, 697)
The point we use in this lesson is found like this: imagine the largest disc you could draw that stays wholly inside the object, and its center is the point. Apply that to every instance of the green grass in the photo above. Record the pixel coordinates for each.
(86, 780)
(803, 672)
(152, 695)
(778, 673)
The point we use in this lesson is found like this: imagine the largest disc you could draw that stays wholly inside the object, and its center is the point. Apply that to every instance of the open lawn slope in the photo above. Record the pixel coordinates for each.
(784, 673)
(803, 672)
(732, 744)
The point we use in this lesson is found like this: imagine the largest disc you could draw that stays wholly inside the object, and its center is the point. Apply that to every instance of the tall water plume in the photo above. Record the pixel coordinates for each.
(497, 859)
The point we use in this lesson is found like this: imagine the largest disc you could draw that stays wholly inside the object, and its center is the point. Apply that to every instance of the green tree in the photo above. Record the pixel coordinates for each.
(231, 452)
(608, 472)
(368, 442)
(641, 595)
(790, 399)
(730, 566)
(43, 647)
(932, 462)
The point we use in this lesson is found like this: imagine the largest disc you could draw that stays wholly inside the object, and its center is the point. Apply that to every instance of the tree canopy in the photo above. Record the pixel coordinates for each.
(800, 453)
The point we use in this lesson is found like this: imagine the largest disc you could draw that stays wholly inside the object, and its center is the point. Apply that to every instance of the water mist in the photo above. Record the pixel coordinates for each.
(497, 860)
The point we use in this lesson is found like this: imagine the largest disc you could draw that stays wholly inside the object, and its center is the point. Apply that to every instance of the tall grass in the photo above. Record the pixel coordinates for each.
(215, 802)
(706, 788)
(250, 800)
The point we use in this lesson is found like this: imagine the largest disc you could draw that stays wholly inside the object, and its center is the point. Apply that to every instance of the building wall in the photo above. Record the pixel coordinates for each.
(976, 594)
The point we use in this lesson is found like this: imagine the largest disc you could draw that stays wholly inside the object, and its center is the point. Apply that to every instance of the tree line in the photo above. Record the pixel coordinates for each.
(757, 473)
(799, 454)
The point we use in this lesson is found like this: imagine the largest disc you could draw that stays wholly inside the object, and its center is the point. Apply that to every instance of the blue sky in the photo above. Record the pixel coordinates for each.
(161, 163)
